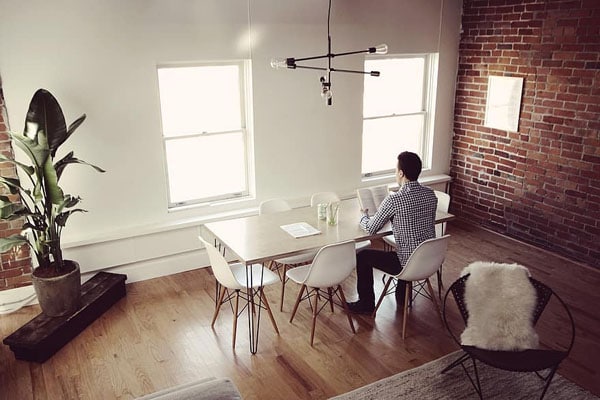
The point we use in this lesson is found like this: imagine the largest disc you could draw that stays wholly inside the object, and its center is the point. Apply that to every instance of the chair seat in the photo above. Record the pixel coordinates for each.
(298, 274)
(530, 360)
(362, 245)
(389, 239)
(268, 276)
(298, 259)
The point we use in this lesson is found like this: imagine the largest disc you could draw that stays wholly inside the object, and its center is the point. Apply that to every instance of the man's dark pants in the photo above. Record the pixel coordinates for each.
(386, 261)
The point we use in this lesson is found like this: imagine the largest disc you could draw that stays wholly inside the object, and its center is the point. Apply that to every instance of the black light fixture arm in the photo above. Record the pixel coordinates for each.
(292, 63)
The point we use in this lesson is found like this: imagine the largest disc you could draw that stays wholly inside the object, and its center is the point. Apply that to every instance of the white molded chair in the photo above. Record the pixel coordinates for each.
(234, 277)
(328, 197)
(331, 266)
(281, 265)
(424, 261)
(440, 230)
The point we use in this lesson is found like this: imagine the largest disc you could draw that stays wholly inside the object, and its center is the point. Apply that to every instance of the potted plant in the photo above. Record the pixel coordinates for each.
(38, 199)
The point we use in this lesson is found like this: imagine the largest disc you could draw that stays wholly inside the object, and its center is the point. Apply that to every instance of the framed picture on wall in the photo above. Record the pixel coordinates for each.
(503, 103)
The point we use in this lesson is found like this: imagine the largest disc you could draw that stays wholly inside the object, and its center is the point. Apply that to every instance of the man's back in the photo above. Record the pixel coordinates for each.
(413, 218)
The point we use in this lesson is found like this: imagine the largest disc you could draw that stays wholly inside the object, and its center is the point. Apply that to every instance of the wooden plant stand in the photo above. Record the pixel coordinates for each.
(43, 336)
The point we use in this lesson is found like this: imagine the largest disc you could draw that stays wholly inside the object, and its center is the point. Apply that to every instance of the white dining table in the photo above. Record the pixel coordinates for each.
(259, 239)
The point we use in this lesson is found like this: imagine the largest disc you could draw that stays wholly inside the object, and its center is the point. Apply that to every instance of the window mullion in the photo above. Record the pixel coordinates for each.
(394, 115)
(193, 135)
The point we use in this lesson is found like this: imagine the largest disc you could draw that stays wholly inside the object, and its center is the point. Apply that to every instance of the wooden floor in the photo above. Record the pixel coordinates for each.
(160, 336)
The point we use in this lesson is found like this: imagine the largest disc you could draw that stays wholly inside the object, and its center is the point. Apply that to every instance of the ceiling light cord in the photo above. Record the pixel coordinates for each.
(326, 82)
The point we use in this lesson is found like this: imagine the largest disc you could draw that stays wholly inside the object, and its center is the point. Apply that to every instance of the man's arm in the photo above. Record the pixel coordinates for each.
(383, 215)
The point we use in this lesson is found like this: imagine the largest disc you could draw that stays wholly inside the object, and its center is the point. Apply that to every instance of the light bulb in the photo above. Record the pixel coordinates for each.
(278, 63)
(381, 49)
(326, 94)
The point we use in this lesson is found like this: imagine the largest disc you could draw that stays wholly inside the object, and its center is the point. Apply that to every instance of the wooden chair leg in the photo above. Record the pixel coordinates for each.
(235, 316)
(218, 305)
(407, 294)
(385, 289)
(330, 294)
(264, 299)
(300, 293)
(343, 298)
(437, 308)
(314, 318)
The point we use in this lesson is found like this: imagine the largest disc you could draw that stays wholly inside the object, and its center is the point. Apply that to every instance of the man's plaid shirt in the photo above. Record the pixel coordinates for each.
(412, 212)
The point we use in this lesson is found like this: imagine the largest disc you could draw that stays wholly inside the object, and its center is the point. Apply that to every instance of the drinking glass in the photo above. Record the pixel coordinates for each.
(332, 213)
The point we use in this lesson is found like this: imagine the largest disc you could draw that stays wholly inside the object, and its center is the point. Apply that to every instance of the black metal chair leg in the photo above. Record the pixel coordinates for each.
(455, 363)
(548, 380)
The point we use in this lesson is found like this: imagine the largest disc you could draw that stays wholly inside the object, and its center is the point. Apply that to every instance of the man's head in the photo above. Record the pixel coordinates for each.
(409, 166)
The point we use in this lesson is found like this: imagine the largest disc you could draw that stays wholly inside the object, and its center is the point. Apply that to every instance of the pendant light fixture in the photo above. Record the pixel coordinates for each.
(326, 93)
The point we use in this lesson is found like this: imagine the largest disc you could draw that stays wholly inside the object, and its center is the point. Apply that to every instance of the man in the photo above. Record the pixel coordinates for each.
(412, 212)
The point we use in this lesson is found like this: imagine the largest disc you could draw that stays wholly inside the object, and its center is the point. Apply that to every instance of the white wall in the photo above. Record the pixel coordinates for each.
(100, 57)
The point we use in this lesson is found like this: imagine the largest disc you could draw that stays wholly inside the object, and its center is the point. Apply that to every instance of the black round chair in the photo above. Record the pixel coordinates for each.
(530, 360)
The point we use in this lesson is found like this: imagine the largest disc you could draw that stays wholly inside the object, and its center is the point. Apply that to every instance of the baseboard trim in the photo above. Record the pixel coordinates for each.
(14, 299)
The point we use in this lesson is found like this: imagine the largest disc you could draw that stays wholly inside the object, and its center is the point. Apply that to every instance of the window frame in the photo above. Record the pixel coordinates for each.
(245, 73)
(430, 75)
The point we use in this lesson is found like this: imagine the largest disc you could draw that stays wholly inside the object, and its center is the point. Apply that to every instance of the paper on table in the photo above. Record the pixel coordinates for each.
(300, 229)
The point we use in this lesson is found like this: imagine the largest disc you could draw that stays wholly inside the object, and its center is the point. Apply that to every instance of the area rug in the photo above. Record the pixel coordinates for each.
(426, 382)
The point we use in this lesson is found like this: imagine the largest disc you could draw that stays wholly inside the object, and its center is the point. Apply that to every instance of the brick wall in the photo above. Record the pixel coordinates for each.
(15, 266)
(542, 183)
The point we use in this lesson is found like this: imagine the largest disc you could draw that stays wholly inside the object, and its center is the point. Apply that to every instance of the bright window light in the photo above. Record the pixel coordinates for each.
(397, 111)
(204, 132)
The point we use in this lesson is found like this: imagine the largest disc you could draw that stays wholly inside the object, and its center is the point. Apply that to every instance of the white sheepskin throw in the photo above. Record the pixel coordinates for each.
(500, 301)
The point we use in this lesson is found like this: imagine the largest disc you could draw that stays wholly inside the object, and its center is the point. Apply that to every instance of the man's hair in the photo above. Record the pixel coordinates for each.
(410, 164)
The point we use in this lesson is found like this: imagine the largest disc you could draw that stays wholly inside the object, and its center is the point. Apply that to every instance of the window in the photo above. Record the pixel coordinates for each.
(205, 131)
(397, 111)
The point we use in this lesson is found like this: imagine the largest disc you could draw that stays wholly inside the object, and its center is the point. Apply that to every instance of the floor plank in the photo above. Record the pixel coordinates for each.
(159, 335)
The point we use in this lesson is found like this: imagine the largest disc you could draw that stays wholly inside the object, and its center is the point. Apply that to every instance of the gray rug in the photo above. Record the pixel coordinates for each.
(426, 382)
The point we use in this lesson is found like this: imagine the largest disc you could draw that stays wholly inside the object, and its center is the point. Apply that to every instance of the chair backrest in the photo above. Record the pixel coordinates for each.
(220, 267)
(272, 206)
(543, 295)
(443, 199)
(323, 197)
(332, 265)
(425, 260)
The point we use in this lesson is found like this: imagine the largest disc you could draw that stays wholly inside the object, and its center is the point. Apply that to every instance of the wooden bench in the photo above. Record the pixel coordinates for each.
(43, 336)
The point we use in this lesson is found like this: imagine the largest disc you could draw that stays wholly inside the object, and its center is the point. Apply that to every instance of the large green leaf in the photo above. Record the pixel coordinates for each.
(12, 241)
(61, 219)
(69, 202)
(10, 210)
(36, 149)
(60, 165)
(38, 152)
(46, 115)
(12, 184)
(53, 192)
(27, 168)
(73, 127)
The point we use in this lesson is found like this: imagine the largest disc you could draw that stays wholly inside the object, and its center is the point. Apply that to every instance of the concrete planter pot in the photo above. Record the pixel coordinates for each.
(59, 295)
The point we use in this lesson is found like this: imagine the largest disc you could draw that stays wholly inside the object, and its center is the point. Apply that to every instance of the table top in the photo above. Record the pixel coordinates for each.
(260, 238)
